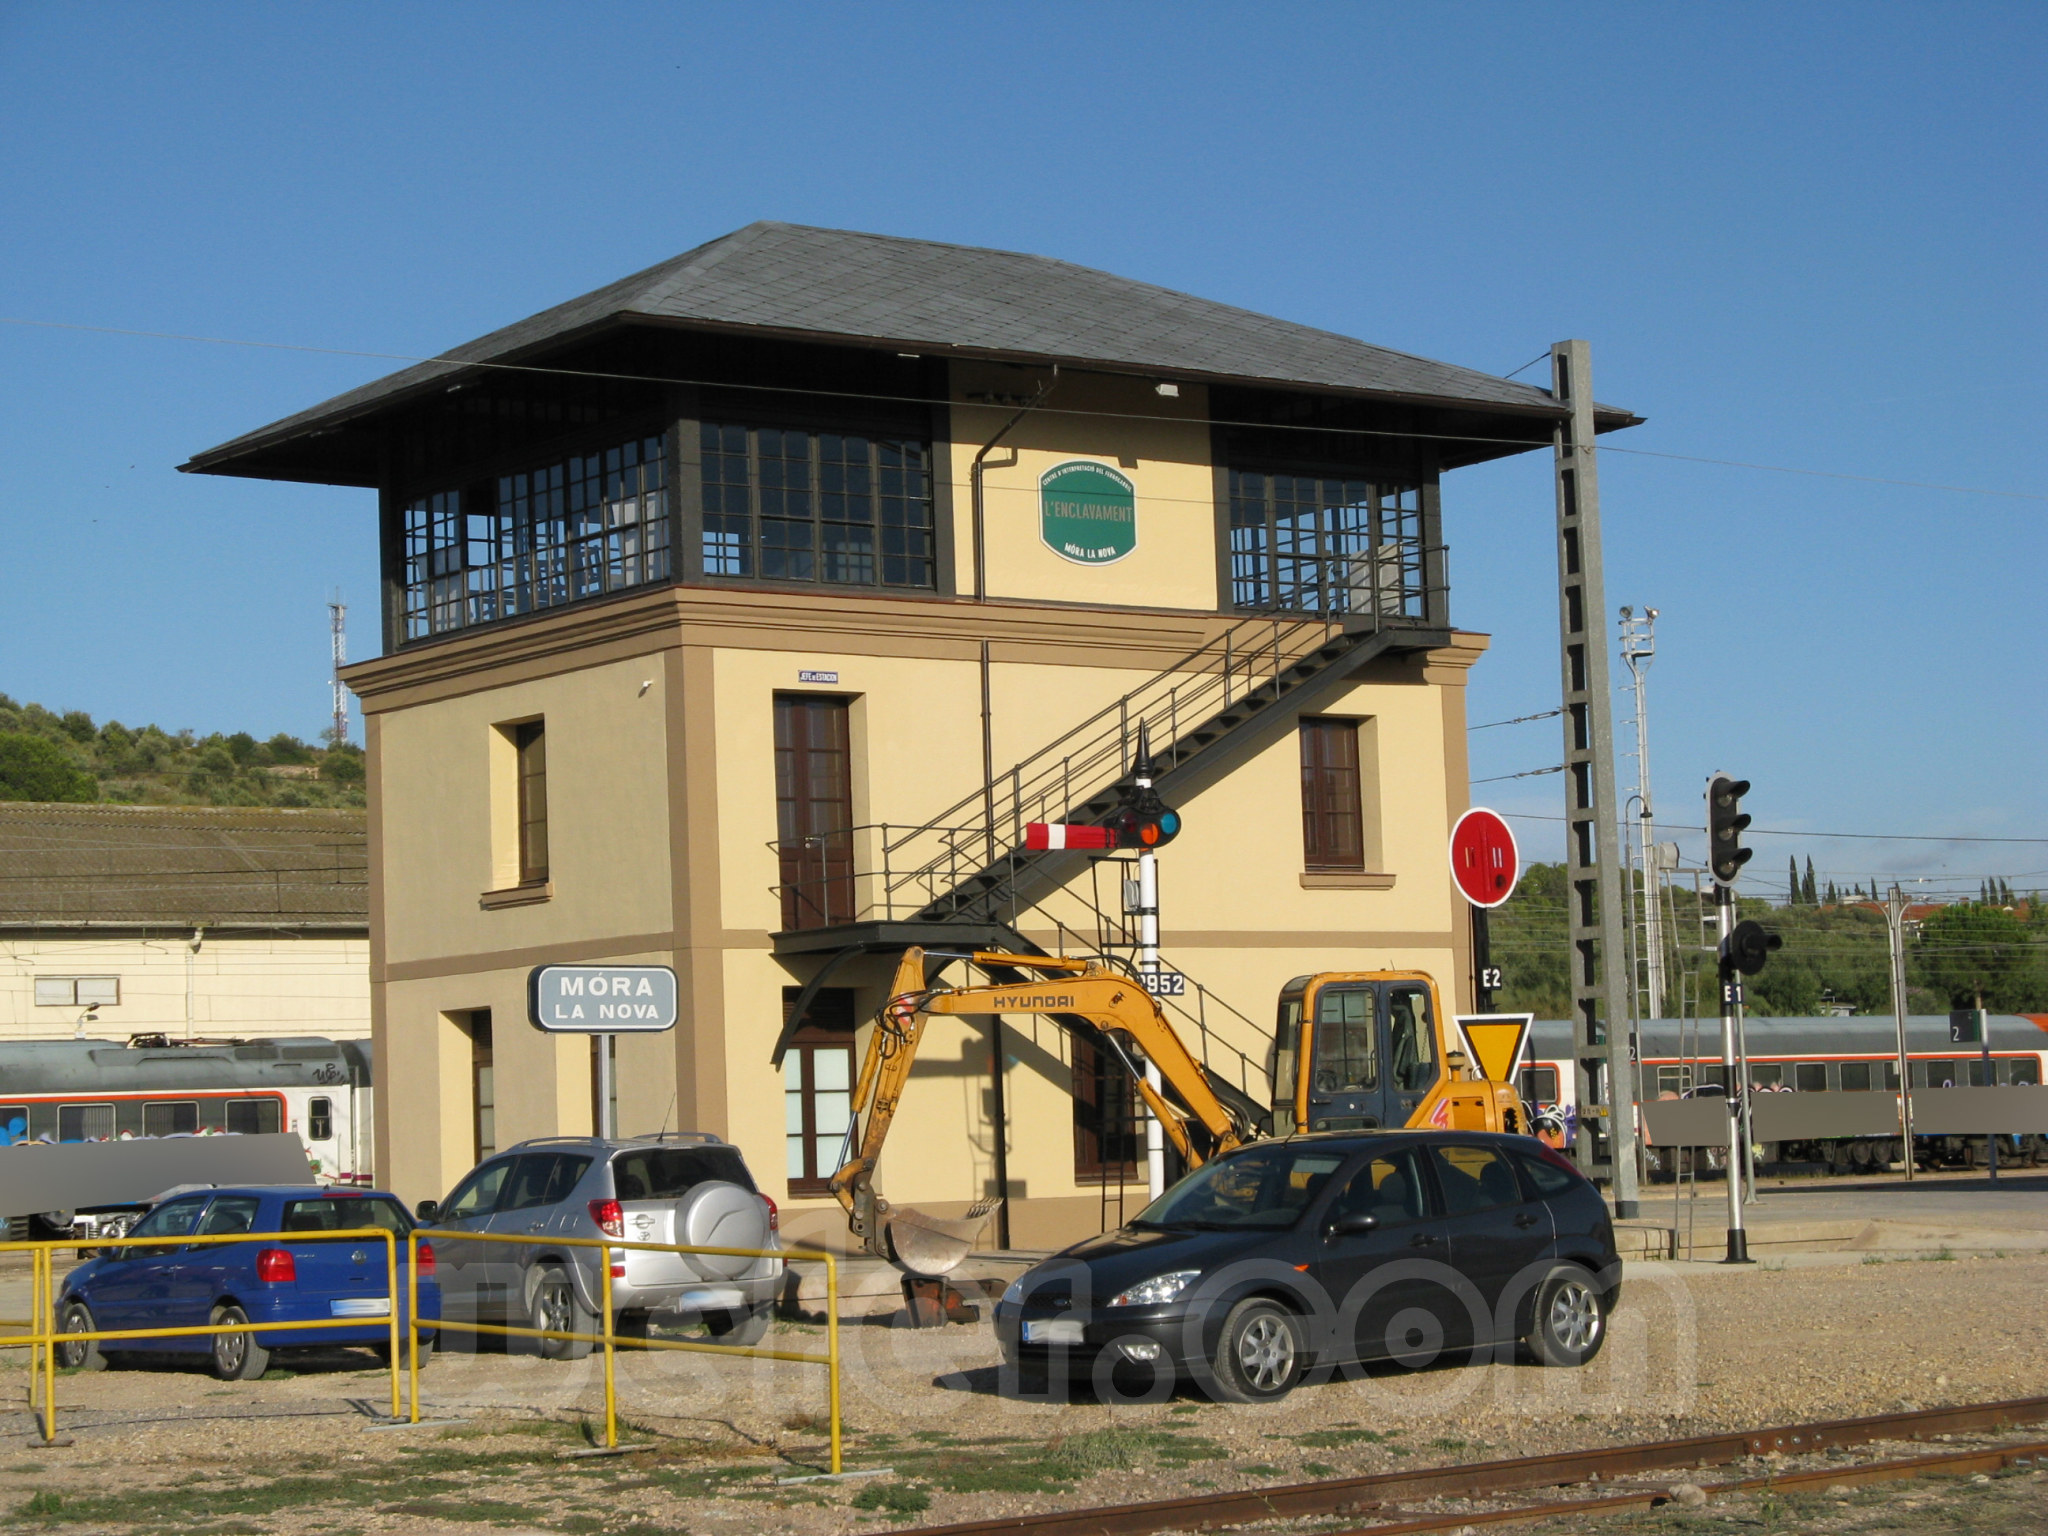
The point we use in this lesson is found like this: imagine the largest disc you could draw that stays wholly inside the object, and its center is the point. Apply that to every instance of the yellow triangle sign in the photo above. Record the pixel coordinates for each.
(1494, 1042)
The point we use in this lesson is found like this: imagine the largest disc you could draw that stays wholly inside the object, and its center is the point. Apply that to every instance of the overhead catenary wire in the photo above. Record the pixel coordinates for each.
(1523, 443)
(1548, 714)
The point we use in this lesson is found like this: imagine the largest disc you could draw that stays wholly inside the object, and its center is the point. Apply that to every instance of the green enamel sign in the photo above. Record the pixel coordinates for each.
(1088, 513)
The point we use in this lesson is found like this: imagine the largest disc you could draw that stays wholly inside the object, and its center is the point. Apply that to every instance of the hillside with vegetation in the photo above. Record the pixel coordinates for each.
(1835, 953)
(70, 757)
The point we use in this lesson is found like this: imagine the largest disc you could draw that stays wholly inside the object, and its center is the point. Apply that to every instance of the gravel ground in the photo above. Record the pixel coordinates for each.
(1693, 1348)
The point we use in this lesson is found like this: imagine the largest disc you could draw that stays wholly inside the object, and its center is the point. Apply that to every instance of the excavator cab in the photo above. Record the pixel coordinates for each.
(1355, 1050)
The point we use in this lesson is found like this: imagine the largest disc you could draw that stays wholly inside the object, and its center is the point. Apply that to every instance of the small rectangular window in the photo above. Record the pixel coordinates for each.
(529, 740)
(101, 991)
(2021, 1069)
(1539, 1085)
(319, 1119)
(1855, 1077)
(56, 992)
(85, 1122)
(1891, 1077)
(13, 1124)
(1937, 1074)
(170, 1119)
(1980, 1074)
(482, 1084)
(1766, 1074)
(254, 1117)
(1811, 1077)
(1332, 815)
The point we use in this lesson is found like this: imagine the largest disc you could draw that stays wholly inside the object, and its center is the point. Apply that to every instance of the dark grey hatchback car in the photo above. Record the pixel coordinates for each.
(1290, 1260)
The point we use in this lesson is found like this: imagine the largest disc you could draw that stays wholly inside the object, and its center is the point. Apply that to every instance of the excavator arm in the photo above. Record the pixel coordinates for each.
(1113, 1004)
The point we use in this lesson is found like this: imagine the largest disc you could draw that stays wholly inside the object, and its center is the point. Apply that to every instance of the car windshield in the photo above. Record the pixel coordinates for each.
(346, 1213)
(1263, 1187)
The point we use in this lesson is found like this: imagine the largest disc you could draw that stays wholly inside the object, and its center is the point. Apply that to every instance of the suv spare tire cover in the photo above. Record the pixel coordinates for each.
(720, 1214)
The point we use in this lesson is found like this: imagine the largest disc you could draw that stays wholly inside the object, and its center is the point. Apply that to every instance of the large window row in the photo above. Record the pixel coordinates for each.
(1310, 544)
(582, 526)
(829, 507)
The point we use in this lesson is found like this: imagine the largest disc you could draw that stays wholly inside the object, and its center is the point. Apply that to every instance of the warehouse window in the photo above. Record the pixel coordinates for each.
(835, 508)
(1106, 1135)
(77, 991)
(817, 1088)
(1332, 808)
(1318, 544)
(579, 527)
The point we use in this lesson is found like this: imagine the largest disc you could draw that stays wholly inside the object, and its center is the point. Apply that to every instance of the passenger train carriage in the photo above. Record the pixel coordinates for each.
(108, 1090)
(1810, 1055)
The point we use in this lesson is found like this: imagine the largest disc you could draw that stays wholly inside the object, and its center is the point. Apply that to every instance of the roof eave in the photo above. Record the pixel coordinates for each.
(221, 460)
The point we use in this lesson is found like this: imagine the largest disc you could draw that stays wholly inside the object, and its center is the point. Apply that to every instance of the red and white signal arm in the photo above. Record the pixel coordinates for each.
(1484, 861)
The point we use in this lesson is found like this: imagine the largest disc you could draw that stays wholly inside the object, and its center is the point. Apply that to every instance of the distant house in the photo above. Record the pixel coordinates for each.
(183, 921)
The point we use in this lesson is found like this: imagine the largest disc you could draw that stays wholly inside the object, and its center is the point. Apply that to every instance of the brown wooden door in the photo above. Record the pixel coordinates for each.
(814, 810)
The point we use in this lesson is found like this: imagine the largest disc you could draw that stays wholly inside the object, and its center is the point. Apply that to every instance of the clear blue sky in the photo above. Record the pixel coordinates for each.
(1807, 235)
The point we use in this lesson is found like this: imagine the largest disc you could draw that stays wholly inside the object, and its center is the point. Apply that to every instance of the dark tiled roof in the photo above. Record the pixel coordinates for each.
(829, 283)
(181, 866)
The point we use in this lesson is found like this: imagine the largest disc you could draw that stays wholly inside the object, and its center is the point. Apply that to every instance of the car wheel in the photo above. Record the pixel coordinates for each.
(1258, 1356)
(1570, 1317)
(237, 1356)
(556, 1307)
(84, 1355)
(748, 1327)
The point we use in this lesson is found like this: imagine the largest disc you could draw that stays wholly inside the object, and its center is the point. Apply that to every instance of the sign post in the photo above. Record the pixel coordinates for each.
(605, 1001)
(1485, 864)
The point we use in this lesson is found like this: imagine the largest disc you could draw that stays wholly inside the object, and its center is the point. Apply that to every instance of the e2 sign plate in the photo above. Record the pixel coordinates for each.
(602, 999)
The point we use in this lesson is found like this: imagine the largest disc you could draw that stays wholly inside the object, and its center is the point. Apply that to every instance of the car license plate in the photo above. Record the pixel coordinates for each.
(361, 1306)
(1053, 1330)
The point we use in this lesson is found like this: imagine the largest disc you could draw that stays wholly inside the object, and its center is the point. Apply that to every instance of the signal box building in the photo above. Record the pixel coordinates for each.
(739, 616)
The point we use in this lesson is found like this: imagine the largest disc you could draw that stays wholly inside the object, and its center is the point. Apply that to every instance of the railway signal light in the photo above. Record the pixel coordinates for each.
(1725, 825)
(1750, 945)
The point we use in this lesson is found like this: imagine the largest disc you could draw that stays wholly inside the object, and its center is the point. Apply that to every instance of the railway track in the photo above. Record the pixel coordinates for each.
(1379, 1499)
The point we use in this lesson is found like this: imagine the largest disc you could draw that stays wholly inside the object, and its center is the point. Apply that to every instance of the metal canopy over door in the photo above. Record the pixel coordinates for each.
(814, 809)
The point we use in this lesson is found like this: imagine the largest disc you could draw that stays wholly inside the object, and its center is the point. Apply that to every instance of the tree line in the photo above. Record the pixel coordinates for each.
(70, 758)
(1835, 952)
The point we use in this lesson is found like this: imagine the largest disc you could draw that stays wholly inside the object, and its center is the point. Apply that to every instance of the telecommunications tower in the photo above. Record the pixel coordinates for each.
(338, 622)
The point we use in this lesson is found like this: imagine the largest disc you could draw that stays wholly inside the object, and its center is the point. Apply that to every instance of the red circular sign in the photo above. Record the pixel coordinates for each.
(1483, 858)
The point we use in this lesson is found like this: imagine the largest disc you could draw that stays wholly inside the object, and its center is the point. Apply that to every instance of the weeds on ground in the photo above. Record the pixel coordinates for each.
(44, 1501)
(1318, 1469)
(1260, 1469)
(895, 1498)
(1334, 1439)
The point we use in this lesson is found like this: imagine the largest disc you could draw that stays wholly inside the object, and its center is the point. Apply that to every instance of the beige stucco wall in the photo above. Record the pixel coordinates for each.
(232, 983)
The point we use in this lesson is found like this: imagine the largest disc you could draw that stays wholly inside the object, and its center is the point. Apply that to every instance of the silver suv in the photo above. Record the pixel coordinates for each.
(683, 1187)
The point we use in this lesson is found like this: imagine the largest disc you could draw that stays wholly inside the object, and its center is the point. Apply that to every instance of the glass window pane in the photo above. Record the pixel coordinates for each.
(1474, 1179)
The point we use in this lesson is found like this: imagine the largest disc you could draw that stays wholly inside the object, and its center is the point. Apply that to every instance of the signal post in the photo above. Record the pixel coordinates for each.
(1744, 947)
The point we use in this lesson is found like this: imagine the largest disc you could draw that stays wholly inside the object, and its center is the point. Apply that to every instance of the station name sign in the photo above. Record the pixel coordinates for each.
(602, 999)
(1088, 512)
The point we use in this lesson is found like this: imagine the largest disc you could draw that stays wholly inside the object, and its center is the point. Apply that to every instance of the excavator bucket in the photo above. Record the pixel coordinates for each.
(934, 1245)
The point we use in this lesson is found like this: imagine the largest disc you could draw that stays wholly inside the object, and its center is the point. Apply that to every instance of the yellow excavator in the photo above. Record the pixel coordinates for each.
(1351, 1050)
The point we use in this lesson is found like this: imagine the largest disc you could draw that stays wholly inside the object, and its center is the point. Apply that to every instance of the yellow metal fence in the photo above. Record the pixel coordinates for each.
(609, 1338)
(46, 1331)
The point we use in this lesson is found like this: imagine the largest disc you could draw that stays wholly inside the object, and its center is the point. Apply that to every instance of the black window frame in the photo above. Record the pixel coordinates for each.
(550, 533)
(1328, 539)
(749, 511)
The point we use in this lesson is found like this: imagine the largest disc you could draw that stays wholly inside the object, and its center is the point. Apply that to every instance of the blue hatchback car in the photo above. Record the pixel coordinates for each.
(298, 1278)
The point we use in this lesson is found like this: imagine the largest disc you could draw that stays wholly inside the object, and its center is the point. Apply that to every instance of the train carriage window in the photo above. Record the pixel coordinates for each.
(2021, 1069)
(1713, 1075)
(128, 1117)
(42, 1121)
(213, 1114)
(1766, 1074)
(1891, 1077)
(319, 1119)
(170, 1119)
(1673, 1079)
(254, 1117)
(13, 1124)
(1980, 1074)
(1539, 1085)
(85, 1122)
(1855, 1077)
(1936, 1074)
(1811, 1077)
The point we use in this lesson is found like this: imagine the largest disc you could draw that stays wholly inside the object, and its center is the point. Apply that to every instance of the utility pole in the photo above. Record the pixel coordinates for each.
(1601, 984)
(1638, 645)
(337, 612)
(1895, 931)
